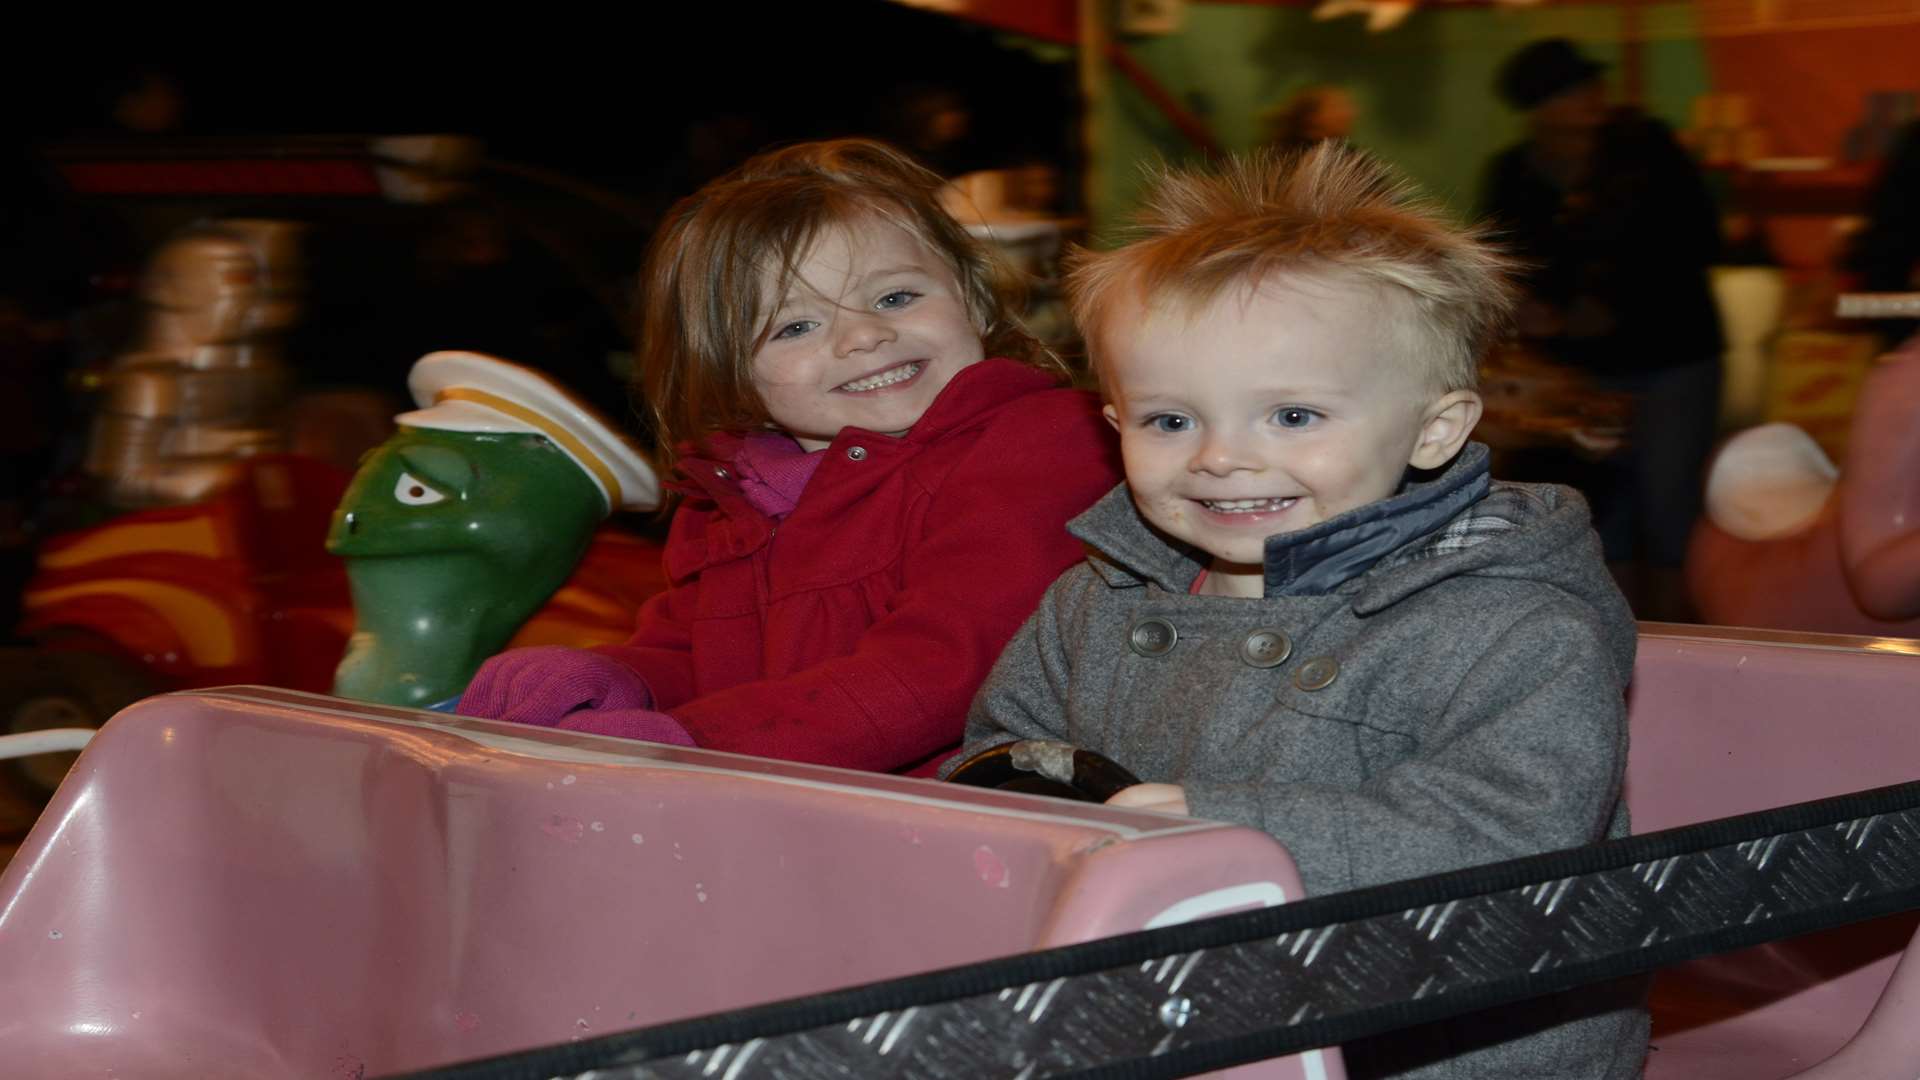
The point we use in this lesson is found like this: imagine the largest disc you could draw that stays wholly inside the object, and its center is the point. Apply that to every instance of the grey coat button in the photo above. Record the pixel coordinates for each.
(1152, 637)
(1265, 648)
(1317, 673)
(856, 453)
(719, 472)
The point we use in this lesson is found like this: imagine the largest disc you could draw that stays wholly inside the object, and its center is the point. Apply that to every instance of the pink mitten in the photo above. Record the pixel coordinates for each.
(543, 684)
(628, 724)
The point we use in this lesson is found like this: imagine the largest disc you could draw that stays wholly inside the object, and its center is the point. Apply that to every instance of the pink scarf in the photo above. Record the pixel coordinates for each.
(773, 470)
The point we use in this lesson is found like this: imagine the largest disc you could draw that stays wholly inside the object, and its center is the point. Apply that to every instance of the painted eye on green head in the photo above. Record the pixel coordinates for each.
(413, 492)
(432, 473)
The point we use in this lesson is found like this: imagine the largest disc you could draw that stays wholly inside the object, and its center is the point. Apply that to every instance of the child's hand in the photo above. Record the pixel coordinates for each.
(541, 685)
(628, 724)
(1166, 798)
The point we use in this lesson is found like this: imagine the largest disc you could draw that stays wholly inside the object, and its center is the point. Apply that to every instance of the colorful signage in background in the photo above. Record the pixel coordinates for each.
(1815, 381)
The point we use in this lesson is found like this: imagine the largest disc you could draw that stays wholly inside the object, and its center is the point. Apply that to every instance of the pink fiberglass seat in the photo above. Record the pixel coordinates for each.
(262, 883)
(1727, 722)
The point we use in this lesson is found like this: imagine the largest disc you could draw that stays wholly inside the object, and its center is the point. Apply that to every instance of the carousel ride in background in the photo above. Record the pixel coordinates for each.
(195, 543)
(1792, 541)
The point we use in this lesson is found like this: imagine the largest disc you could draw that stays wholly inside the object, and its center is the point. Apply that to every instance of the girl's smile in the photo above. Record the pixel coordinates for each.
(898, 375)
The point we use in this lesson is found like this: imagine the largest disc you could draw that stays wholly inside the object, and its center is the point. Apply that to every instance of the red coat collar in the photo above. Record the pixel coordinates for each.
(976, 389)
(734, 529)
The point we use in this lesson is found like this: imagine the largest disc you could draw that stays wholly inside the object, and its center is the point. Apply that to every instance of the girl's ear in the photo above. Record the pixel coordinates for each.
(1113, 418)
(1444, 428)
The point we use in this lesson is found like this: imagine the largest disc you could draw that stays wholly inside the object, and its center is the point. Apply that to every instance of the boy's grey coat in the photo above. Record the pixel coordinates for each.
(1475, 713)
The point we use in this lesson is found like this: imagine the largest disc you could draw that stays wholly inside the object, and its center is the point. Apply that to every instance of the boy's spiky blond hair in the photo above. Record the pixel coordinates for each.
(1329, 213)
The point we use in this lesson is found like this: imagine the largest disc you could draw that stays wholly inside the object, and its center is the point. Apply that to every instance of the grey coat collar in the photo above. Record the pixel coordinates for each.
(1311, 562)
(1319, 559)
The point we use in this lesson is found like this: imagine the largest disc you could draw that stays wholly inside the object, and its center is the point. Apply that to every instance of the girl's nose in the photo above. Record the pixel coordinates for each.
(860, 332)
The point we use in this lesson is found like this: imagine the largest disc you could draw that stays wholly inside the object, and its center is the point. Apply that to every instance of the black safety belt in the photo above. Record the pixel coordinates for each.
(1318, 972)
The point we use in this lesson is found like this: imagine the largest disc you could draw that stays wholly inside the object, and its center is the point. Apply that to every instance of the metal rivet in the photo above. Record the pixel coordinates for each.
(719, 472)
(1265, 648)
(856, 453)
(1152, 637)
(1317, 673)
(1175, 1012)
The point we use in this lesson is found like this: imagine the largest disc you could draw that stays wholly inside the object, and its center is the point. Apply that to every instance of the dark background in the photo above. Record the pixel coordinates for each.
(611, 100)
(614, 115)
(638, 110)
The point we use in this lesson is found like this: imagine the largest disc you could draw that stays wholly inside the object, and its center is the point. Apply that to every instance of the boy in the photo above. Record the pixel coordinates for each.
(1308, 609)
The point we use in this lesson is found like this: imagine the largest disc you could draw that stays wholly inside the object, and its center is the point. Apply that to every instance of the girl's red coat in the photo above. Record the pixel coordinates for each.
(855, 631)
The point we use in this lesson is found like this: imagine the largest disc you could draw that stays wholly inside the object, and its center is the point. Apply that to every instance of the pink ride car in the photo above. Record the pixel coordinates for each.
(256, 882)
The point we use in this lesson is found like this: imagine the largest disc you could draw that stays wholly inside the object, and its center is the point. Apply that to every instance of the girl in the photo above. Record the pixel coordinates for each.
(875, 479)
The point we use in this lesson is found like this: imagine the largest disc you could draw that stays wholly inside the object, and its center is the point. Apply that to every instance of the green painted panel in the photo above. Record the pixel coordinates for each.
(1424, 89)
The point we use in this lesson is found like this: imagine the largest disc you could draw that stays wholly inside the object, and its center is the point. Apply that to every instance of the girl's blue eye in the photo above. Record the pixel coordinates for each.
(1294, 416)
(792, 330)
(898, 298)
(1170, 423)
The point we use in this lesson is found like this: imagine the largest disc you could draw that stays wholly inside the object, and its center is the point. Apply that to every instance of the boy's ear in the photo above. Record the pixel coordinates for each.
(1113, 418)
(1444, 428)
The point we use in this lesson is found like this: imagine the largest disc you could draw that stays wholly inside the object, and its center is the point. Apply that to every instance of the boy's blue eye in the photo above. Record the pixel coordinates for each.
(1294, 416)
(792, 329)
(1170, 423)
(898, 298)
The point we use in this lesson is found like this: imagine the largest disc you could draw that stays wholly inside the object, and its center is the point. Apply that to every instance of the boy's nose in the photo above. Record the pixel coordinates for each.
(1220, 453)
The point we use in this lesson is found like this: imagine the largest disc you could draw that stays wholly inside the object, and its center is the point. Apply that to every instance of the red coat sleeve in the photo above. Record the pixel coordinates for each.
(993, 538)
(661, 648)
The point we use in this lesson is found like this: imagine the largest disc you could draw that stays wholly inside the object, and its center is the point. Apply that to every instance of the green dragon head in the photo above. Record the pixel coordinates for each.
(461, 525)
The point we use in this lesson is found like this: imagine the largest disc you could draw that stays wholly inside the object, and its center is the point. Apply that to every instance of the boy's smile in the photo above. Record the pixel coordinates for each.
(1268, 411)
(873, 327)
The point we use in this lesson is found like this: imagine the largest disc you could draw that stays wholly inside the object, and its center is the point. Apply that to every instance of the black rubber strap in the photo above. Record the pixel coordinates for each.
(1331, 969)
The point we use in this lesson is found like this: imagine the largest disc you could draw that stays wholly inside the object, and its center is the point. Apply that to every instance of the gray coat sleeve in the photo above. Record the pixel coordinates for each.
(1025, 695)
(1526, 754)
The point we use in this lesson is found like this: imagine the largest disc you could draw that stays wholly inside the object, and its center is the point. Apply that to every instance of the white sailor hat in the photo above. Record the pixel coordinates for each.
(464, 391)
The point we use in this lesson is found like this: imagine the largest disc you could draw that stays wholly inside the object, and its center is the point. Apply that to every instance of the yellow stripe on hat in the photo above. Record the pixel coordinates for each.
(579, 450)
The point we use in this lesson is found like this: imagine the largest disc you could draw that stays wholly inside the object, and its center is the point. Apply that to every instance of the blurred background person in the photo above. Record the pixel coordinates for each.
(1886, 250)
(933, 123)
(1618, 228)
(1308, 115)
(145, 101)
